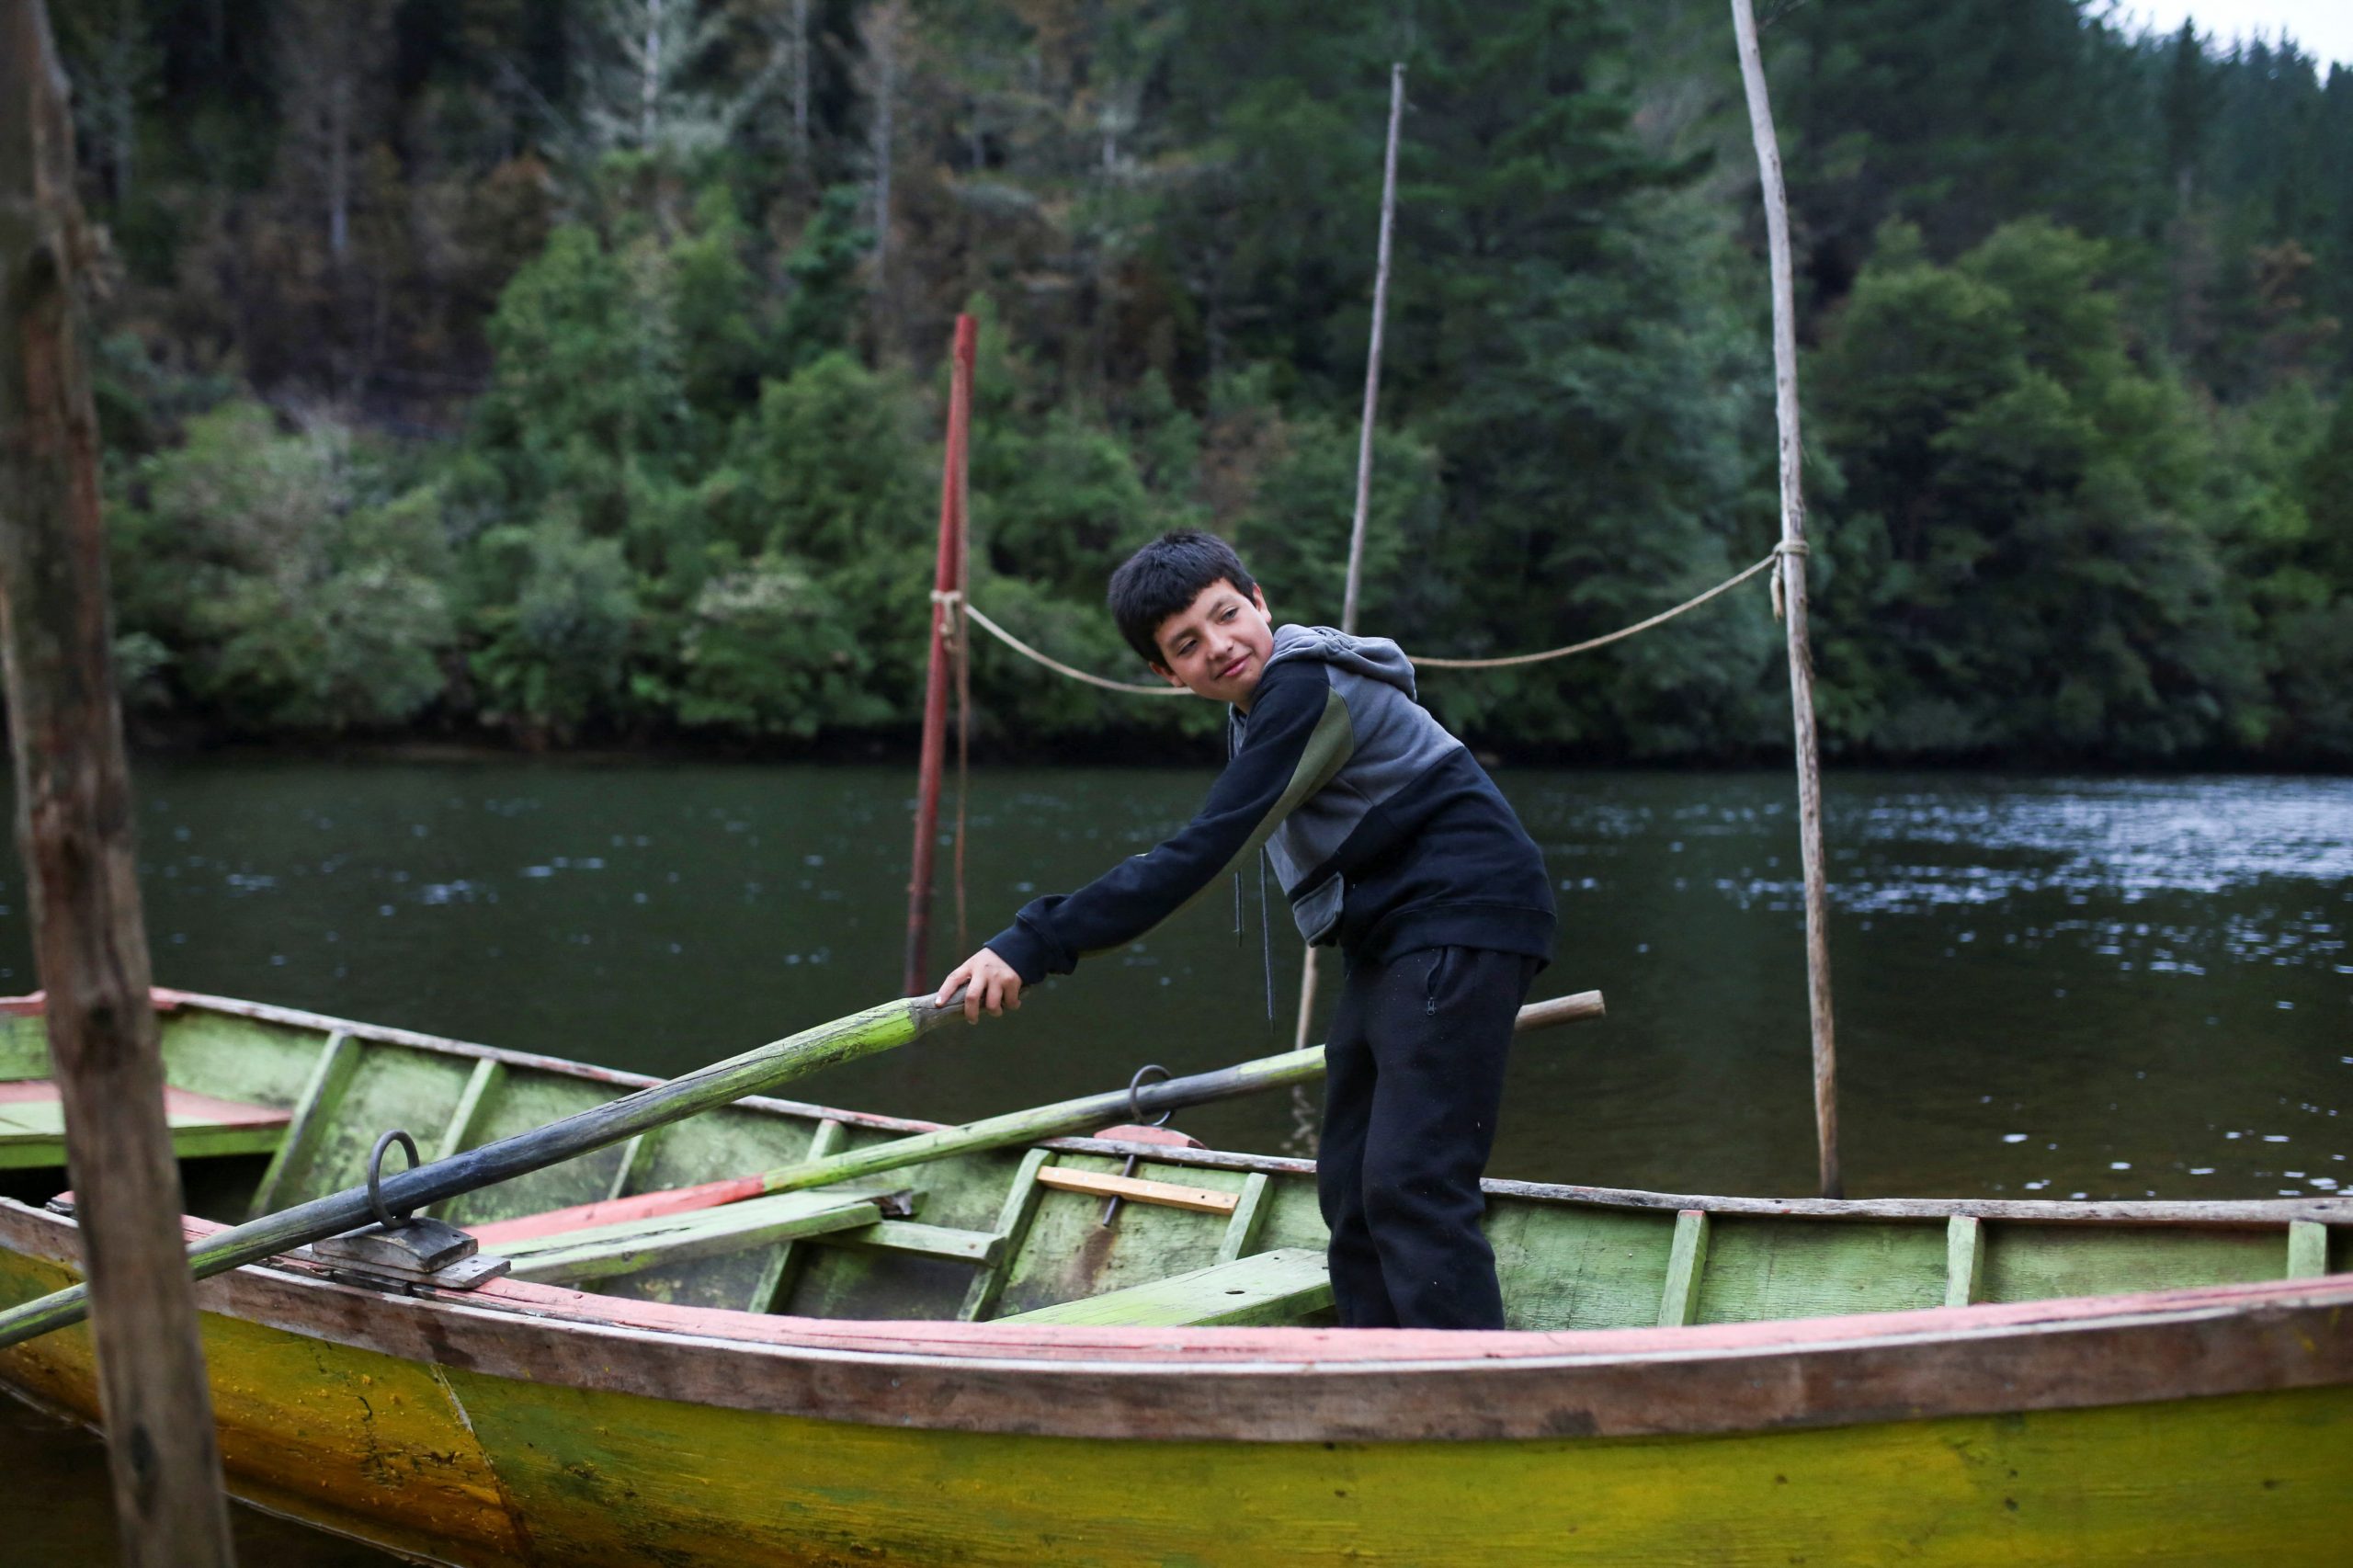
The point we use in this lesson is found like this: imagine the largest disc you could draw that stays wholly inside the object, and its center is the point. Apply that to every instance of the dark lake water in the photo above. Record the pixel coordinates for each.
(2052, 987)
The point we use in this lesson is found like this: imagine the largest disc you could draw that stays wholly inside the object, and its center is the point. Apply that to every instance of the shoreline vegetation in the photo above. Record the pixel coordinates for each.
(567, 378)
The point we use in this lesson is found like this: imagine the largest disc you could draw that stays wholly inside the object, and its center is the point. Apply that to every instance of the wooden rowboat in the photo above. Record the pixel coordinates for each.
(959, 1362)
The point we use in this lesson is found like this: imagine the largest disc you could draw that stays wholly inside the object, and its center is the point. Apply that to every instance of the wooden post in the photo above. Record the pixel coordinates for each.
(73, 828)
(946, 623)
(1364, 443)
(1791, 572)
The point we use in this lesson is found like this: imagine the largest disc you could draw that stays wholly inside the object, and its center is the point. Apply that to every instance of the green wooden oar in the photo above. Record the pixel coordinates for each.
(1051, 1120)
(1012, 1129)
(755, 1071)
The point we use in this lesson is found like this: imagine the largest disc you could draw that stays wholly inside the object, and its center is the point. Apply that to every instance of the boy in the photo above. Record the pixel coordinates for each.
(1393, 844)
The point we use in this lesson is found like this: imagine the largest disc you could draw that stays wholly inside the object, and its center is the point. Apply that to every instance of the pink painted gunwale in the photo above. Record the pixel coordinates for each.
(1292, 1384)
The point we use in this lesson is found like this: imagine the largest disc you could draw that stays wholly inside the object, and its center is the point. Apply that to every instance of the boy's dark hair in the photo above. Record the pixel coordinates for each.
(1164, 578)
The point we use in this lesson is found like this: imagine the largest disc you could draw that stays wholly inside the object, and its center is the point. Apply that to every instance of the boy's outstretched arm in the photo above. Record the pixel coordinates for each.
(1296, 737)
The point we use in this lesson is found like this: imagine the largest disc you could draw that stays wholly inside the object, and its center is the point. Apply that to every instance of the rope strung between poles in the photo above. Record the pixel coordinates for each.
(1027, 651)
(1590, 643)
(1788, 547)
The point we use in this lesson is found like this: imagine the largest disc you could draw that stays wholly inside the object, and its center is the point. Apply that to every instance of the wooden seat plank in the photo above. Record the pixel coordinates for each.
(1136, 1190)
(631, 1246)
(1270, 1288)
(32, 1125)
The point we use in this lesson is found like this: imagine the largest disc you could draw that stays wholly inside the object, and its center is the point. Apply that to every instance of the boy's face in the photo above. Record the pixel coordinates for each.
(1217, 646)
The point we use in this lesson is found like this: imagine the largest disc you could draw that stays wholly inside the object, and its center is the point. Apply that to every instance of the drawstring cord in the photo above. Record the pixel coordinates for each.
(1266, 941)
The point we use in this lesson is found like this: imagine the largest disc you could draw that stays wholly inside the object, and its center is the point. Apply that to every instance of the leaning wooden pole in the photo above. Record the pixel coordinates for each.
(946, 624)
(1791, 572)
(1364, 442)
(73, 829)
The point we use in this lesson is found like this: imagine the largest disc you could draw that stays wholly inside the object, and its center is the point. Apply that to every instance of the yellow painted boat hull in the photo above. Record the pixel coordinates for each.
(450, 1464)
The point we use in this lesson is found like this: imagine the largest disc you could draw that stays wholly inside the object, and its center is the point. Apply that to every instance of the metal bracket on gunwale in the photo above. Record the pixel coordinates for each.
(400, 1250)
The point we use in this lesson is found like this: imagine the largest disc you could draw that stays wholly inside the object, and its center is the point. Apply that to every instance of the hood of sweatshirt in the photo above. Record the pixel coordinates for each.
(1376, 657)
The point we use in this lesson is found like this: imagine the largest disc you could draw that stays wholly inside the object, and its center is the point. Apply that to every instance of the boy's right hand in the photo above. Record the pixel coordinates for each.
(988, 981)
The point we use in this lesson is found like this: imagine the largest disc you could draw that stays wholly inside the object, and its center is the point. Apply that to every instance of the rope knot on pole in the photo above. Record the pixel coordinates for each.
(1795, 548)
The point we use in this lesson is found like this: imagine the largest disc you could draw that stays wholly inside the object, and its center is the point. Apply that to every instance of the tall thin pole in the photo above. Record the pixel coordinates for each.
(1364, 440)
(1372, 351)
(74, 830)
(946, 607)
(1792, 571)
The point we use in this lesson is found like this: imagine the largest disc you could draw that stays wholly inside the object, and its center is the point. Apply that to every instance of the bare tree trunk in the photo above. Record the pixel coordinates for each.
(883, 31)
(74, 833)
(649, 88)
(339, 93)
(122, 96)
(1790, 571)
(800, 84)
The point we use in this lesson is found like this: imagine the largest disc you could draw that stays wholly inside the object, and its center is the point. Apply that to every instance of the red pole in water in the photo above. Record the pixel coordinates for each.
(946, 605)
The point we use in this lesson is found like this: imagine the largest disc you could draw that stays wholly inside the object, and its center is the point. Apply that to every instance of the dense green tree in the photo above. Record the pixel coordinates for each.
(572, 365)
(2025, 560)
(263, 583)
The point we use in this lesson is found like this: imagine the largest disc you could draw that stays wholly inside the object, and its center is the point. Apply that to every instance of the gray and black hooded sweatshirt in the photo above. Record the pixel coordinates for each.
(1387, 835)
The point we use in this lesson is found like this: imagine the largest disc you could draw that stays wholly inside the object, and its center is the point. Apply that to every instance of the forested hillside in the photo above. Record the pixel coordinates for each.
(570, 371)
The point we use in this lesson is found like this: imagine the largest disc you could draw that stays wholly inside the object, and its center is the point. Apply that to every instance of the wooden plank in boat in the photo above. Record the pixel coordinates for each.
(1012, 1225)
(2307, 1249)
(1136, 1190)
(1687, 1261)
(1278, 1287)
(32, 1125)
(773, 1280)
(1250, 1211)
(984, 1247)
(635, 1245)
(314, 1109)
(1964, 1261)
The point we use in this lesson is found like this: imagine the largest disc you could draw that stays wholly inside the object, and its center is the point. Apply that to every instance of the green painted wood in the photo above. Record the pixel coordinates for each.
(1249, 1218)
(528, 1098)
(24, 1048)
(1069, 1254)
(2307, 1249)
(1762, 1268)
(603, 1251)
(32, 1137)
(257, 1060)
(1561, 1267)
(2029, 1262)
(466, 1122)
(390, 1087)
(637, 1159)
(1687, 1264)
(1012, 1226)
(756, 1280)
(1964, 1260)
(1270, 1288)
(754, 1071)
(314, 1109)
(774, 1280)
(982, 1247)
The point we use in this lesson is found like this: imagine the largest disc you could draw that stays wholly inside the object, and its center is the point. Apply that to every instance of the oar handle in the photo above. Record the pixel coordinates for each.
(1559, 1010)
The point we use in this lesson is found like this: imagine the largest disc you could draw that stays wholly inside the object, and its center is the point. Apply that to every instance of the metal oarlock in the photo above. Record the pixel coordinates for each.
(1135, 1118)
(400, 1252)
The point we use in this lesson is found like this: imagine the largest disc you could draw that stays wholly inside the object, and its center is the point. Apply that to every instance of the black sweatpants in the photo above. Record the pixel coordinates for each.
(1413, 1076)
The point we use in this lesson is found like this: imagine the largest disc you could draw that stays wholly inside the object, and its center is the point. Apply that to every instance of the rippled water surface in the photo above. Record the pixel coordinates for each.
(2052, 986)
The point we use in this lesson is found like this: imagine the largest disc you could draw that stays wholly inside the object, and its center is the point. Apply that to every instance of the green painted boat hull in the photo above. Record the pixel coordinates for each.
(860, 1396)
